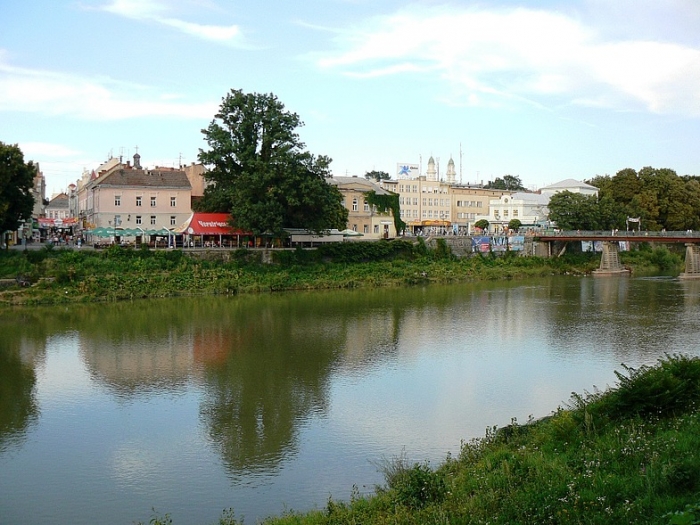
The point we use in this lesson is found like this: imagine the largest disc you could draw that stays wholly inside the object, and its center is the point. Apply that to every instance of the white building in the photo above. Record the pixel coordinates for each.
(571, 185)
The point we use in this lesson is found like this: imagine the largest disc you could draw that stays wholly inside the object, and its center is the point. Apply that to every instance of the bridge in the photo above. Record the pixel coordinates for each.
(610, 260)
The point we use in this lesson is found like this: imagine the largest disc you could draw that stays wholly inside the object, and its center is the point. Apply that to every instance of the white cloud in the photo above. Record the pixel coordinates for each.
(52, 93)
(155, 10)
(546, 58)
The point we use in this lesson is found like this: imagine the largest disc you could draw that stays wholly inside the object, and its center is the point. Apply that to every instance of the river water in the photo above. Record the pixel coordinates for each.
(274, 403)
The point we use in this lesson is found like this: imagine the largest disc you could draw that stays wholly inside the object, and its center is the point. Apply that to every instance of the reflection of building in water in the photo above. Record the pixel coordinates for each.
(131, 366)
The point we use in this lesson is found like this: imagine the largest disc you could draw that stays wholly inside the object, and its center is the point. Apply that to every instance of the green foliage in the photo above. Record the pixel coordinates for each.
(514, 224)
(377, 175)
(16, 182)
(670, 388)
(690, 515)
(357, 252)
(385, 203)
(664, 259)
(260, 171)
(442, 250)
(574, 211)
(415, 486)
(508, 183)
(659, 197)
(482, 223)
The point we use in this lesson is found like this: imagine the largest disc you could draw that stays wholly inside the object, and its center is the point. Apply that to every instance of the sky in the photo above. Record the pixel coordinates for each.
(545, 90)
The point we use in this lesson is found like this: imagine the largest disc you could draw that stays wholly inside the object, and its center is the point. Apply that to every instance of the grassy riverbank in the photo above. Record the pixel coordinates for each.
(625, 455)
(53, 276)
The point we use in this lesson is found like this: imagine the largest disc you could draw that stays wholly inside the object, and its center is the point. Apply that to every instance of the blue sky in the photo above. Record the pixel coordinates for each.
(545, 90)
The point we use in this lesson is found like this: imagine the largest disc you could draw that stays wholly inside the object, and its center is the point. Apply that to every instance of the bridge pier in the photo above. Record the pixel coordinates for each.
(692, 262)
(610, 261)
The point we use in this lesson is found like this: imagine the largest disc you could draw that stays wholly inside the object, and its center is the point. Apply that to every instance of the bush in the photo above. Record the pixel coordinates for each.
(413, 486)
(668, 389)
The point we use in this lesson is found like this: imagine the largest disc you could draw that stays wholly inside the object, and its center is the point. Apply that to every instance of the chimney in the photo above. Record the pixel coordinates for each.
(137, 161)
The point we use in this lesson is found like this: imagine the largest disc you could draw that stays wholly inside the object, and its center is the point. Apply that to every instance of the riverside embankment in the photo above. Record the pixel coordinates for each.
(55, 276)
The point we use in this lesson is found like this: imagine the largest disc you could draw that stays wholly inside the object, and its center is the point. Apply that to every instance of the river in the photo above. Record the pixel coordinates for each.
(273, 403)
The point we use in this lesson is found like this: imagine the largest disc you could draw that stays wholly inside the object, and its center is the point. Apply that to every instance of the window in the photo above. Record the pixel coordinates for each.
(415, 189)
(430, 202)
(153, 202)
(376, 228)
(505, 213)
(354, 227)
(366, 206)
(117, 200)
(354, 205)
(153, 219)
(515, 213)
(415, 201)
(138, 219)
(424, 201)
(138, 201)
(172, 220)
(117, 220)
(173, 202)
(365, 228)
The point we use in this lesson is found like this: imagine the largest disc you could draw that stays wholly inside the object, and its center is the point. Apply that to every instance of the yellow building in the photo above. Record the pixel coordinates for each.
(363, 217)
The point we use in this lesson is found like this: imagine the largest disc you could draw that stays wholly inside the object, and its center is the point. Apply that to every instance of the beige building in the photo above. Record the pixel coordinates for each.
(431, 204)
(362, 217)
(127, 196)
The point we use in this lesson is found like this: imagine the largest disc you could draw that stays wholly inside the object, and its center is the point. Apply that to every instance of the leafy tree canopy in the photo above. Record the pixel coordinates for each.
(661, 198)
(482, 223)
(260, 172)
(16, 182)
(377, 175)
(508, 183)
(514, 224)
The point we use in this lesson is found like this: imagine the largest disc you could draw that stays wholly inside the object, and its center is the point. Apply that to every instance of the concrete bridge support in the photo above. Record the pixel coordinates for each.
(692, 262)
(610, 261)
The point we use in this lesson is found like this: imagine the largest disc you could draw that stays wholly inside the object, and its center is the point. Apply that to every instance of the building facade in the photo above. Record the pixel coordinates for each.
(430, 204)
(122, 195)
(363, 217)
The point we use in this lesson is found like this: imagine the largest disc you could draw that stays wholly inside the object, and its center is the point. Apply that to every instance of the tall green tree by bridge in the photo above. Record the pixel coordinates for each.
(661, 198)
(260, 172)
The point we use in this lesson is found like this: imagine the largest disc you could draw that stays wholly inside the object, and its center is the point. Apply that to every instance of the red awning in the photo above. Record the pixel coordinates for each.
(48, 223)
(209, 224)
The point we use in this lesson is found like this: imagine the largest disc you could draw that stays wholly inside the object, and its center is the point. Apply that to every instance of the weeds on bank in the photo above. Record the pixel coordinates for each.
(61, 275)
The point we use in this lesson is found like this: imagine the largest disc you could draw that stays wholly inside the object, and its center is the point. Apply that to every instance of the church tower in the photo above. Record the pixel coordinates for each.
(451, 173)
(431, 174)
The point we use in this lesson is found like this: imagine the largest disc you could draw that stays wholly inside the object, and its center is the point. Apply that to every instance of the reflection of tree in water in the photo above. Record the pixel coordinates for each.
(272, 378)
(18, 409)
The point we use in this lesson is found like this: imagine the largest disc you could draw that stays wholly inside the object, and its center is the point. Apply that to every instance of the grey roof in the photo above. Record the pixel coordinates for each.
(530, 197)
(569, 183)
(155, 178)
(358, 183)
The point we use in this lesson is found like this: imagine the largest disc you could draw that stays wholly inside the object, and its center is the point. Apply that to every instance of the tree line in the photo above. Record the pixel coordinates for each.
(659, 197)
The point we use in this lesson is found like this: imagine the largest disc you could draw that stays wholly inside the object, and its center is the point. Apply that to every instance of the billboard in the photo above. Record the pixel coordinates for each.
(405, 170)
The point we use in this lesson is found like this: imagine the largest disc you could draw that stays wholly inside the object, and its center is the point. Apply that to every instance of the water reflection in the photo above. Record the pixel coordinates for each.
(245, 393)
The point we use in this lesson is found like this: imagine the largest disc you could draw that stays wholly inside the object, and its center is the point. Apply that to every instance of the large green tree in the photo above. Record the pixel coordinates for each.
(574, 211)
(377, 175)
(508, 183)
(659, 197)
(16, 181)
(260, 171)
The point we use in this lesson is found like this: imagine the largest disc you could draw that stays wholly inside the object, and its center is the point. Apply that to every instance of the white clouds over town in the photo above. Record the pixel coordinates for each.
(543, 89)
